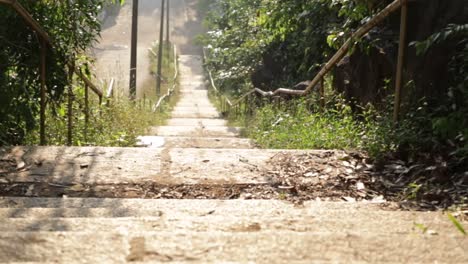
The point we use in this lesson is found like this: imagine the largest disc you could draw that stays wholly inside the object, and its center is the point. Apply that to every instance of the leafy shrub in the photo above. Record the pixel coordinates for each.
(117, 124)
(72, 26)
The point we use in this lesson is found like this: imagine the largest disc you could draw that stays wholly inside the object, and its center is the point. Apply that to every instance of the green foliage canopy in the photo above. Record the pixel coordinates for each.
(296, 35)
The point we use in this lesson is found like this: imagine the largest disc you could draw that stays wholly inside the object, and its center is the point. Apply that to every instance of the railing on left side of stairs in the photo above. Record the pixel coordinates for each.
(46, 42)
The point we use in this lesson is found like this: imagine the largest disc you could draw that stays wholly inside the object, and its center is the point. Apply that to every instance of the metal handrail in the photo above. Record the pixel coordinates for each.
(110, 89)
(46, 41)
(227, 104)
(171, 90)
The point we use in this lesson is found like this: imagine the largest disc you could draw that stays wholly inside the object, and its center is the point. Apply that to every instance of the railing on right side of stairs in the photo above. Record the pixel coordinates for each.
(246, 103)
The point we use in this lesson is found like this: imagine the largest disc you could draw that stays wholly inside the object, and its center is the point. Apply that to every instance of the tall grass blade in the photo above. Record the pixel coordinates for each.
(456, 223)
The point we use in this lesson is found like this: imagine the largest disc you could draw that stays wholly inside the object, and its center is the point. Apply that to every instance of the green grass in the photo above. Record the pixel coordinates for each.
(301, 124)
(115, 125)
(456, 223)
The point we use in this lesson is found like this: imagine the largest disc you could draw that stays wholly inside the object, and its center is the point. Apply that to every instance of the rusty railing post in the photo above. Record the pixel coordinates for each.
(42, 69)
(70, 108)
(133, 52)
(86, 112)
(160, 51)
(322, 93)
(401, 59)
(167, 24)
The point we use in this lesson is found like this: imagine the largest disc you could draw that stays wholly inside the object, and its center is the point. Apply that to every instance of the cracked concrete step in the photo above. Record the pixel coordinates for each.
(251, 245)
(195, 142)
(100, 165)
(232, 207)
(201, 102)
(198, 131)
(193, 92)
(190, 114)
(220, 215)
(192, 86)
(196, 122)
(194, 104)
(202, 109)
(190, 100)
(197, 81)
(221, 218)
(87, 222)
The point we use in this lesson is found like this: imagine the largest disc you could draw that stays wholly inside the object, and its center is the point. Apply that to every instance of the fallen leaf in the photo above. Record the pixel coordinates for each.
(30, 190)
(360, 186)
(348, 199)
(378, 199)
(77, 188)
(21, 165)
(348, 164)
(311, 174)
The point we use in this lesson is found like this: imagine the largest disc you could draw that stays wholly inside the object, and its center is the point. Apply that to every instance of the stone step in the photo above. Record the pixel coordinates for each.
(221, 218)
(194, 92)
(190, 114)
(231, 207)
(310, 216)
(89, 223)
(195, 131)
(189, 103)
(199, 109)
(186, 75)
(194, 104)
(191, 86)
(196, 81)
(196, 122)
(100, 165)
(249, 245)
(195, 142)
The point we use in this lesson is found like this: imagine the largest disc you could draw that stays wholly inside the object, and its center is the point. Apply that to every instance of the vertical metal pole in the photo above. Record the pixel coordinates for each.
(167, 24)
(42, 69)
(86, 112)
(322, 93)
(246, 105)
(401, 59)
(160, 51)
(70, 108)
(134, 50)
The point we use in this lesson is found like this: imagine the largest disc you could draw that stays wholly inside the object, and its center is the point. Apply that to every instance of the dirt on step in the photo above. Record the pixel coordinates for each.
(324, 176)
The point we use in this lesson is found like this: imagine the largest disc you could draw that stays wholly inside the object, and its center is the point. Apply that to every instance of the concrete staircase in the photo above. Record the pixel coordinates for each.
(195, 122)
(214, 231)
(197, 148)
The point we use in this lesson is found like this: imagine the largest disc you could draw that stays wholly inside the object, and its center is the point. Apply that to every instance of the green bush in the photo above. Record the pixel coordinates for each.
(118, 124)
(300, 126)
